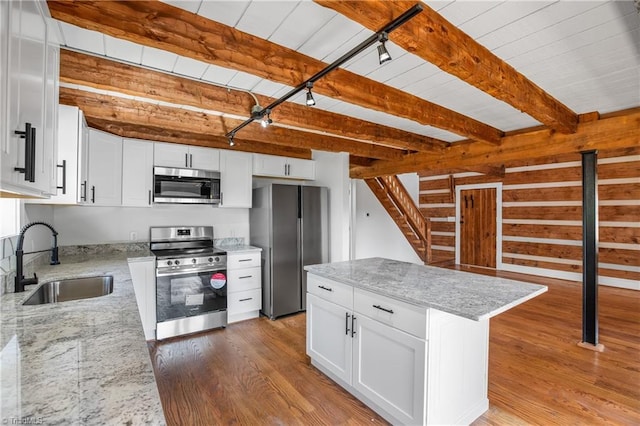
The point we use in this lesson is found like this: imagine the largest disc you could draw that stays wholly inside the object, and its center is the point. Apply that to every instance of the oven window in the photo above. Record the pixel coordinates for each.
(187, 295)
(181, 187)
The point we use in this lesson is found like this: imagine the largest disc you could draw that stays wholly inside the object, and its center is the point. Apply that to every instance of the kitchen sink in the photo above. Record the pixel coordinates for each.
(71, 289)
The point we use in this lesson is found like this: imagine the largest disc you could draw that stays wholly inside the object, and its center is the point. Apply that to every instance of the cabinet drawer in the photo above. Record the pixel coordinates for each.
(244, 301)
(244, 279)
(330, 290)
(243, 260)
(403, 316)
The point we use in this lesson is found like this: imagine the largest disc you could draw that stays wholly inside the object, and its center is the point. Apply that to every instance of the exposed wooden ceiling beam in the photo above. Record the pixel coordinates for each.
(433, 38)
(165, 27)
(136, 131)
(104, 74)
(620, 130)
(128, 111)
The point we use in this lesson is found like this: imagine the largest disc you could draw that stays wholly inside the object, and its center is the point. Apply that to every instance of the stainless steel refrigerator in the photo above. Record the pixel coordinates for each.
(290, 223)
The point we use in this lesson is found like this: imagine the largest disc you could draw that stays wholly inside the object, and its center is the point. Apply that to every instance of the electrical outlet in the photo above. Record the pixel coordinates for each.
(133, 235)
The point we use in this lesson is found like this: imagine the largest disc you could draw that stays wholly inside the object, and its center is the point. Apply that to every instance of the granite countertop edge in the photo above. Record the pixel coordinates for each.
(482, 310)
(238, 248)
(83, 361)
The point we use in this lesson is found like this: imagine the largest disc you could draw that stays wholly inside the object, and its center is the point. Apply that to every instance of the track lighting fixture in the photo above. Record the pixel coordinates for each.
(266, 118)
(382, 36)
(383, 53)
(310, 100)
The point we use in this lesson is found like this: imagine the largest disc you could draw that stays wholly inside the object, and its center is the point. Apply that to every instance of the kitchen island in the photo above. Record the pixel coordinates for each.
(78, 362)
(410, 341)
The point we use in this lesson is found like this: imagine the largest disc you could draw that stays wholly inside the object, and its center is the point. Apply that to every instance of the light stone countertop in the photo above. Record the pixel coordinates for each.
(78, 362)
(238, 248)
(473, 296)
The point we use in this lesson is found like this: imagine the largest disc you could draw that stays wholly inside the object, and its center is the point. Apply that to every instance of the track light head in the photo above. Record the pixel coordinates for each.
(310, 101)
(266, 119)
(231, 142)
(383, 53)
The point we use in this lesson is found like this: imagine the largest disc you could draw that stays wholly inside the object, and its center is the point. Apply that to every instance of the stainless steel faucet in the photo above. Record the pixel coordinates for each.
(21, 281)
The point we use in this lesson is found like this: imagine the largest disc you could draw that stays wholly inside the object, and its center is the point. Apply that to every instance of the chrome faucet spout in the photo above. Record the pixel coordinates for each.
(20, 280)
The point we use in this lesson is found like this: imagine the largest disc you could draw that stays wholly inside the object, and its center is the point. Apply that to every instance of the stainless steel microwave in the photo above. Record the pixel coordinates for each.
(185, 186)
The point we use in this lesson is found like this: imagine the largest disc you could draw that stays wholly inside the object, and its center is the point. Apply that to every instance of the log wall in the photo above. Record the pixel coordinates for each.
(542, 216)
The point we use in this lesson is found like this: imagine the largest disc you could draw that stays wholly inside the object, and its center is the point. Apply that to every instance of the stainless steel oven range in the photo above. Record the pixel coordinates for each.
(191, 280)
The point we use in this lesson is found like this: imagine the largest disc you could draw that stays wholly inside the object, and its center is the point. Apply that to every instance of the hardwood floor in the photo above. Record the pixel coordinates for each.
(256, 372)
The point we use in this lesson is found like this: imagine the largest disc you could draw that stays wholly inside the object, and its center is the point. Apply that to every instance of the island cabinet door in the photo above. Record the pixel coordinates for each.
(389, 369)
(329, 341)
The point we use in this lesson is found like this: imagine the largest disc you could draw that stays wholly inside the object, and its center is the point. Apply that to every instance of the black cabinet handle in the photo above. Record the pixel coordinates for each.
(29, 136)
(32, 157)
(325, 288)
(64, 176)
(190, 160)
(186, 160)
(353, 325)
(149, 197)
(383, 309)
(244, 300)
(244, 260)
(346, 323)
(83, 194)
(93, 194)
(246, 276)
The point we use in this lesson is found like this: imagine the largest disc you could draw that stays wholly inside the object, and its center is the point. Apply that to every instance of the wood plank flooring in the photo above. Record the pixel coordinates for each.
(257, 372)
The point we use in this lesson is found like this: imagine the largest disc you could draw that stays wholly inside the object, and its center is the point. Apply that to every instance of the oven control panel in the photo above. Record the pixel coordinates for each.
(213, 263)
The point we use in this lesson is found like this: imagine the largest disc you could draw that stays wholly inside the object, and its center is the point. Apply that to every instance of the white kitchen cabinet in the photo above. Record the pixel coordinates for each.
(283, 167)
(50, 163)
(235, 179)
(25, 103)
(185, 156)
(72, 135)
(104, 183)
(410, 364)
(389, 369)
(143, 277)
(137, 173)
(329, 340)
(244, 285)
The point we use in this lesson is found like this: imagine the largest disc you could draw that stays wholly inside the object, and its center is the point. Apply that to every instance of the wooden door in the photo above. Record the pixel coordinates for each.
(478, 227)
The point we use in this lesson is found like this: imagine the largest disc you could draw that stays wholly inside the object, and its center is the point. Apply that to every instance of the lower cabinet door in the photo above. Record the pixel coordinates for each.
(329, 341)
(389, 369)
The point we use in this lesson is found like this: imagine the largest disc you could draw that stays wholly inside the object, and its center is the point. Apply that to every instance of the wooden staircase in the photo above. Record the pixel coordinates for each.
(404, 212)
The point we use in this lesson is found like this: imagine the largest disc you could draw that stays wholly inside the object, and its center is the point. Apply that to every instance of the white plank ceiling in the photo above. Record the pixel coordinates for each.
(586, 54)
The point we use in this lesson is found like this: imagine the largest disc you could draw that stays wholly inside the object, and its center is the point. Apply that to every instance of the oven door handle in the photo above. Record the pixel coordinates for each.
(186, 272)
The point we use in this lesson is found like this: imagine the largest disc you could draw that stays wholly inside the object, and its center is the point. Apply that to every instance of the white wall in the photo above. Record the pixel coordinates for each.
(375, 233)
(97, 225)
(332, 171)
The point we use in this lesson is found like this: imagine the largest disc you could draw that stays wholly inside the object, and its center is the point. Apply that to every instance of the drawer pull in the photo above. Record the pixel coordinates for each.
(346, 324)
(246, 276)
(244, 300)
(383, 309)
(244, 260)
(325, 288)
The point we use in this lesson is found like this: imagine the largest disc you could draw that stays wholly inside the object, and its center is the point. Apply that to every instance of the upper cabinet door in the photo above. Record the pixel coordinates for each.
(137, 173)
(301, 169)
(105, 169)
(204, 158)
(23, 66)
(170, 155)
(235, 179)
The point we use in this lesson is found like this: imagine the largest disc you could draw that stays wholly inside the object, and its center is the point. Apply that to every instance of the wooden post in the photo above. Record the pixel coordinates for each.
(590, 251)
